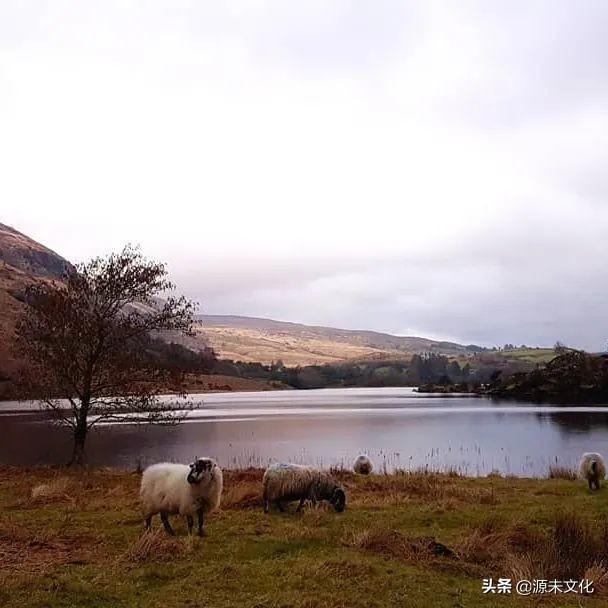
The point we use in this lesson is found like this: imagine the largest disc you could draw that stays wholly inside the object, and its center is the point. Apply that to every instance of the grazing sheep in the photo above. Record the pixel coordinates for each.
(284, 483)
(363, 465)
(593, 469)
(171, 489)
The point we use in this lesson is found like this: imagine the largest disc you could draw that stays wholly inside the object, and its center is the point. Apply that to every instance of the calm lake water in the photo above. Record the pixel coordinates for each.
(397, 427)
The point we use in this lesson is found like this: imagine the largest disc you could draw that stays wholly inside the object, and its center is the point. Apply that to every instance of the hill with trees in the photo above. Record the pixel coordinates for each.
(572, 376)
(262, 353)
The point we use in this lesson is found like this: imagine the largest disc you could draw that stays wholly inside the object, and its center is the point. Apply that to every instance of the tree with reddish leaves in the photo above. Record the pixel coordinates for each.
(87, 340)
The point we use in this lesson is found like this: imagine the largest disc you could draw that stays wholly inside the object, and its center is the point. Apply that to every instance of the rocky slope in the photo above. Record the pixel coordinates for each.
(22, 260)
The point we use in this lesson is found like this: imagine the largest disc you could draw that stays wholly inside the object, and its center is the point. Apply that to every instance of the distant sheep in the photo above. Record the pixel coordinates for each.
(284, 483)
(172, 489)
(593, 469)
(363, 465)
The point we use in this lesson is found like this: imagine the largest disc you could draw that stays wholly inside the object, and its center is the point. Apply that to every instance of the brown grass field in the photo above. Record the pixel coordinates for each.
(408, 539)
(266, 346)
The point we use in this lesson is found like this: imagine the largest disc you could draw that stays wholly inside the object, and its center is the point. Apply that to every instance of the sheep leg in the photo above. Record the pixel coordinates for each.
(300, 505)
(166, 524)
(149, 523)
(591, 483)
(201, 522)
(266, 505)
(190, 521)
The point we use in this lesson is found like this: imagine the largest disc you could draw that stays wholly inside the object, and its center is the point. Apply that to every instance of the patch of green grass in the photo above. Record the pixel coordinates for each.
(530, 355)
(82, 544)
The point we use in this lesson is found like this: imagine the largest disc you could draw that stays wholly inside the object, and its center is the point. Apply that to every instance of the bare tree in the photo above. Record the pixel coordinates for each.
(87, 340)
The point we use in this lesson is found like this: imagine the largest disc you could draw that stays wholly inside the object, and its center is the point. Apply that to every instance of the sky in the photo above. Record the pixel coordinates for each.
(421, 168)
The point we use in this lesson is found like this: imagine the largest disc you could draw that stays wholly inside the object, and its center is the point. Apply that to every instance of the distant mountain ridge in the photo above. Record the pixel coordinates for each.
(259, 339)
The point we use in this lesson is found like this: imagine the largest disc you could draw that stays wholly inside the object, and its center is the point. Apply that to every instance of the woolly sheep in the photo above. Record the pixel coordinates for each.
(593, 469)
(171, 489)
(363, 465)
(284, 483)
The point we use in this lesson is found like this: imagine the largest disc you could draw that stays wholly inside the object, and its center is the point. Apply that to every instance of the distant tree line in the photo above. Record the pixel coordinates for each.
(421, 369)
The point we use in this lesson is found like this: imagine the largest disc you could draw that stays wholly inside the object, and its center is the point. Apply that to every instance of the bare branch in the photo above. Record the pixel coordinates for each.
(89, 341)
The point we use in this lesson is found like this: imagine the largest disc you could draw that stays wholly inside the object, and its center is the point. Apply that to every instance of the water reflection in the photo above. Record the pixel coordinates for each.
(579, 422)
(397, 427)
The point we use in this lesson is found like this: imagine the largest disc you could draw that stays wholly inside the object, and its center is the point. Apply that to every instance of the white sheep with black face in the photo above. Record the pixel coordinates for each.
(363, 465)
(181, 489)
(285, 482)
(593, 469)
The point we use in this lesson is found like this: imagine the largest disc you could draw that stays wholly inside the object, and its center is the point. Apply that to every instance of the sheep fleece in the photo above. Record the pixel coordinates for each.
(292, 481)
(585, 466)
(164, 488)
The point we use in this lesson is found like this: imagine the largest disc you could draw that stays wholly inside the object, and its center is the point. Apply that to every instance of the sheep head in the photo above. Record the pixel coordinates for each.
(199, 469)
(338, 500)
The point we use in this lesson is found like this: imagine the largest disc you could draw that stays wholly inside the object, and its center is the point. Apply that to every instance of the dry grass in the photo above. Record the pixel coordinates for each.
(556, 472)
(297, 348)
(242, 489)
(62, 489)
(405, 486)
(243, 495)
(574, 545)
(491, 541)
(598, 573)
(25, 550)
(395, 544)
(572, 548)
(157, 546)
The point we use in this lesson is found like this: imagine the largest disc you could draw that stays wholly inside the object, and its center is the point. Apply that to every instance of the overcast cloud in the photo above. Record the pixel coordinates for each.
(429, 168)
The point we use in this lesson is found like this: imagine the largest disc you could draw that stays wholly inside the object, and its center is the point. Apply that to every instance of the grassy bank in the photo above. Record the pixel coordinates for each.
(75, 539)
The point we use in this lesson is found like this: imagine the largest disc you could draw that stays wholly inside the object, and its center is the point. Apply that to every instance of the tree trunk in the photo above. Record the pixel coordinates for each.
(80, 435)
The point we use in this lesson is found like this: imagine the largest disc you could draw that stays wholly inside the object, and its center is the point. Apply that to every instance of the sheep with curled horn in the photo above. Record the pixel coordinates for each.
(363, 465)
(285, 482)
(593, 469)
(188, 490)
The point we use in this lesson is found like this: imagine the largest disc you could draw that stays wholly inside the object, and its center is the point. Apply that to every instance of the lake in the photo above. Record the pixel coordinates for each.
(397, 427)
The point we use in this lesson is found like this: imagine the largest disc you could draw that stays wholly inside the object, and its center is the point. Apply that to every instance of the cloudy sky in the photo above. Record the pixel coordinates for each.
(428, 168)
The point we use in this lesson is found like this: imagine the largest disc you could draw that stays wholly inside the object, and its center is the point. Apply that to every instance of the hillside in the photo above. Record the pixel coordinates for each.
(571, 377)
(248, 339)
(22, 260)
(265, 340)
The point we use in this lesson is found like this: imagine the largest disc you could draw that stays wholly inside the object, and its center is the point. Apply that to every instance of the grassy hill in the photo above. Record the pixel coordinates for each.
(266, 340)
(530, 355)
